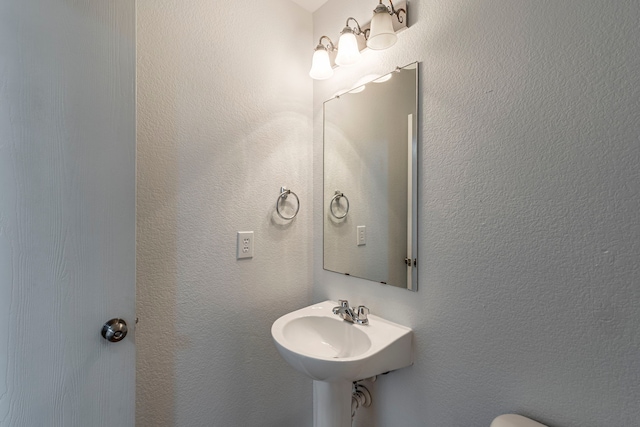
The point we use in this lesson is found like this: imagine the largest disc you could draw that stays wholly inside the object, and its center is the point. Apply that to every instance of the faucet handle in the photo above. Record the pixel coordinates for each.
(343, 304)
(363, 312)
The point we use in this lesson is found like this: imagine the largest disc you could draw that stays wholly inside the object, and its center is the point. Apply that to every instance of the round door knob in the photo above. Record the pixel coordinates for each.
(114, 330)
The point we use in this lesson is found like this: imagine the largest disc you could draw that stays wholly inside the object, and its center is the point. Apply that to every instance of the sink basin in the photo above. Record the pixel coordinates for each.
(321, 345)
(334, 353)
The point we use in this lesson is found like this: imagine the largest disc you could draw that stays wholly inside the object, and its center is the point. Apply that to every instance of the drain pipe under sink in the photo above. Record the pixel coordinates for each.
(359, 397)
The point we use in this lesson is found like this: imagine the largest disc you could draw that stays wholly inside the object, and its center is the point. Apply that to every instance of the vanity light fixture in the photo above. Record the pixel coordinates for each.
(321, 64)
(379, 34)
(348, 51)
(383, 35)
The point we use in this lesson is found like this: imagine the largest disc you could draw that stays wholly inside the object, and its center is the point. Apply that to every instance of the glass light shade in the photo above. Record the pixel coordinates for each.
(348, 52)
(320, 65)
(382, 35)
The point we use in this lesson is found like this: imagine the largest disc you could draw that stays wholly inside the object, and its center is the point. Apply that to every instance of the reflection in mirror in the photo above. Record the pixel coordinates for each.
(370, 174)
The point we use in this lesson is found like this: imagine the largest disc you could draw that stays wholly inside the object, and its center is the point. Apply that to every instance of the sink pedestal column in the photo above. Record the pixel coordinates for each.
(332, 404)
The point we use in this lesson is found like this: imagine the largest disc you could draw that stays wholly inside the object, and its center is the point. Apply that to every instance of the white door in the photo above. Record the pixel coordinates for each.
(67, 212)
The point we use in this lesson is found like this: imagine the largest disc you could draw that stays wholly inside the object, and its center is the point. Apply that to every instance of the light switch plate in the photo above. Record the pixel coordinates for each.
(361, 235)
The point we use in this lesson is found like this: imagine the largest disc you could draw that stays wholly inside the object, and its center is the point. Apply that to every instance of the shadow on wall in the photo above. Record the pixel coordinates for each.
(156, 254)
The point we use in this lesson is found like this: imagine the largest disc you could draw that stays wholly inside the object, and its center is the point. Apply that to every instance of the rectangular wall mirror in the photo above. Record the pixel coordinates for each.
(370, 180)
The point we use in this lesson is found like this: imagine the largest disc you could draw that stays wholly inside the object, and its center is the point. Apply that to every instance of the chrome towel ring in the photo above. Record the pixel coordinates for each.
(339, 195)
(284, 193)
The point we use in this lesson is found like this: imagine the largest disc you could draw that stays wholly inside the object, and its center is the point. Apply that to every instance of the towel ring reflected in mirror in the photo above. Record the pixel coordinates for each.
(336, 201)
(284, 193)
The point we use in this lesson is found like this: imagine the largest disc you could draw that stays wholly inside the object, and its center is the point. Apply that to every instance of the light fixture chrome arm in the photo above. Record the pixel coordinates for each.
(357, 30)
(391, 10)
(329, 47)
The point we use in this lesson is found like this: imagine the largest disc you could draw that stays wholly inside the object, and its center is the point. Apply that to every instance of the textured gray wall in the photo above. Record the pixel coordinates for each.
(529, 289)
(224, 119)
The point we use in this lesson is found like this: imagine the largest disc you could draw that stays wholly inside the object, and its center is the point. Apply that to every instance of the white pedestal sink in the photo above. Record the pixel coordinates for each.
(334, 353)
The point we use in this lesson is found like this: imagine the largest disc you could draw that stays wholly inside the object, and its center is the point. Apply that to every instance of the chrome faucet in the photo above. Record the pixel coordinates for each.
(347, 313)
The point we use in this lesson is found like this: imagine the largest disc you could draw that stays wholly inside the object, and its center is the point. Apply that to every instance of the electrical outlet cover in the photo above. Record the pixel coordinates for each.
(244, 245)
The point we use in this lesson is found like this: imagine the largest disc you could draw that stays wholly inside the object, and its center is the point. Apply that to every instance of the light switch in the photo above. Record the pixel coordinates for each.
(361, 235)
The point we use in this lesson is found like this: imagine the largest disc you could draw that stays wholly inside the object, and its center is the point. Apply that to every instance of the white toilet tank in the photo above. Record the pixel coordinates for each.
(511, 420)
